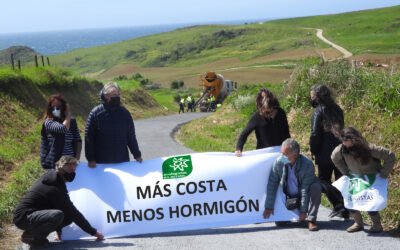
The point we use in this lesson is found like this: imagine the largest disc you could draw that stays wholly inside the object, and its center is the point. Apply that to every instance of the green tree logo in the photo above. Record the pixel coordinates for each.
(360, 183)
(177, 167)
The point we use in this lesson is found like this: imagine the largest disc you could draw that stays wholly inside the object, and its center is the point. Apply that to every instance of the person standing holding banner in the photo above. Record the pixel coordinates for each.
(269, 123)
(110, 130)
(326, 123)
(356, 157)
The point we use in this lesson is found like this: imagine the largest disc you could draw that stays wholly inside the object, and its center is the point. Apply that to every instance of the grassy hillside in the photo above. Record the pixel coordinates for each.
(191, 46)
(25, 54)
(362, 32)
(370, 99)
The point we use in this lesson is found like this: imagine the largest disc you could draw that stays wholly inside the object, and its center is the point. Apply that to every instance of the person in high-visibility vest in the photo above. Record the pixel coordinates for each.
(212, 103)
(189, 103)
(182, 105)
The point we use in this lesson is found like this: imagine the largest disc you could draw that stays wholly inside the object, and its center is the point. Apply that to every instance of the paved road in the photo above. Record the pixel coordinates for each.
(346, 53)
(154, 140)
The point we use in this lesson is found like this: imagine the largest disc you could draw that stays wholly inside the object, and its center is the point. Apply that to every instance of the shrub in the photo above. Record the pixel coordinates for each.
(176, 84)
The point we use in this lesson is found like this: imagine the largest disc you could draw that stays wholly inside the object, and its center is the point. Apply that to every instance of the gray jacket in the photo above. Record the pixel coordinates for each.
(347, 164)
(304, 171)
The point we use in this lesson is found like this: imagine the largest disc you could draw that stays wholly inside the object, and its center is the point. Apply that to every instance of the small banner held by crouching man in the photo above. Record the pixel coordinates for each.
(363, 192)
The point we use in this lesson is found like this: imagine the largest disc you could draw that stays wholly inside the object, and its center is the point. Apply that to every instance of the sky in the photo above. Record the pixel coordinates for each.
(20, 16)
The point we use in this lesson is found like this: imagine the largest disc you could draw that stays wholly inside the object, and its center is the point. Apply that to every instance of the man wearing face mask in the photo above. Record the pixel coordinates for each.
(110, 130)
(296, 174)
(46, 207)
(60, 134)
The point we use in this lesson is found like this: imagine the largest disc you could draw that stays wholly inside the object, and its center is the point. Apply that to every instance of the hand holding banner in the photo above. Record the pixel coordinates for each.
(363, 192)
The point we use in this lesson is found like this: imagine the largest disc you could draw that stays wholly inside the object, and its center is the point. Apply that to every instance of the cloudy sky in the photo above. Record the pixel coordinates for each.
(46, 15)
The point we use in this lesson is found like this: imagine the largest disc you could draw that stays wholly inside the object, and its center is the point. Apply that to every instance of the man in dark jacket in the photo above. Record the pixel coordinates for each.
(110, 130)
(326, 124)
(46, 207)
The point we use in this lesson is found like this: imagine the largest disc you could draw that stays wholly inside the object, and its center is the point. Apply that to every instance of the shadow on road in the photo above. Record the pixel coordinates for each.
(85, 244)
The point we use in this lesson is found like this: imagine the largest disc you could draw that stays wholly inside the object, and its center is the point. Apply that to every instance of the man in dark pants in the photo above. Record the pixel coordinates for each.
(46, 207)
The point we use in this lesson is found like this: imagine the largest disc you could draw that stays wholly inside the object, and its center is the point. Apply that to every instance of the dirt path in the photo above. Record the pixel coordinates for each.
(346, 53)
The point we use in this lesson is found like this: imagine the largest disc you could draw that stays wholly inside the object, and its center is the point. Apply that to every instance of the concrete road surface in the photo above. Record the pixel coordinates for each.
(155, 141)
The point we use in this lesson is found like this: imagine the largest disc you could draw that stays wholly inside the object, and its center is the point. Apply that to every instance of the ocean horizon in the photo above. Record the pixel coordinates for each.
(57, 42)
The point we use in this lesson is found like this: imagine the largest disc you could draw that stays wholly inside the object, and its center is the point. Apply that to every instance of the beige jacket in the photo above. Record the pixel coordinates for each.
(347, 164)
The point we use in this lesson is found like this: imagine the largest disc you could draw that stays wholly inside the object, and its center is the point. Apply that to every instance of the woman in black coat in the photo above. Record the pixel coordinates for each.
(269, 123)
(326, 123)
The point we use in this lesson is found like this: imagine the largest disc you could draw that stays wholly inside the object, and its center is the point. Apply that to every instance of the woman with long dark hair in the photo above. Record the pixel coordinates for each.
(326, 124)
(269, 123)
(355, 156)
(60, 133)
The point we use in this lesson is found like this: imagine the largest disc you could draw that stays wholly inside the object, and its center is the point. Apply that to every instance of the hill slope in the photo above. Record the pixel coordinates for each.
(22, 53)
(371, 31)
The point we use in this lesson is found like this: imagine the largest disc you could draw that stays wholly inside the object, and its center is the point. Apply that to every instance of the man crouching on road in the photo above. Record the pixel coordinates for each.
(296, 174)
(46, 207)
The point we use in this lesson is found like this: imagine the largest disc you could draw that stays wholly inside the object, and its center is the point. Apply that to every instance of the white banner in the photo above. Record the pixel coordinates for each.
(363, 192)
(197, 191)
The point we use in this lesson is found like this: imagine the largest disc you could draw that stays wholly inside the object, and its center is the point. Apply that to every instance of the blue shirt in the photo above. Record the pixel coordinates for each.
(293, 184)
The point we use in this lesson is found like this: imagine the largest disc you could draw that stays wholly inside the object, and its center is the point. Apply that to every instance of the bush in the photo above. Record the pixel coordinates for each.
(373, 89)
(176, 84)
(120, 78)
(136, 77)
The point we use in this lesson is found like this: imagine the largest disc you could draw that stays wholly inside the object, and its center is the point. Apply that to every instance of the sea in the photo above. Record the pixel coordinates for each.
(57, 42)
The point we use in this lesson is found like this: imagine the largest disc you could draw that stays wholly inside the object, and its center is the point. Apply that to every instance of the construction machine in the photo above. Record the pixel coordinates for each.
(215, 90)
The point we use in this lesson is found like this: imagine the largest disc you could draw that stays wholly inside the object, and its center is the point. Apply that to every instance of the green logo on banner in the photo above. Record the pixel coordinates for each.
(360, 183)
(177, 167)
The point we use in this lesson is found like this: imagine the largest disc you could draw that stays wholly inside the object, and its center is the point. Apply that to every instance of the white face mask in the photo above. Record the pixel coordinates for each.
(56, 112)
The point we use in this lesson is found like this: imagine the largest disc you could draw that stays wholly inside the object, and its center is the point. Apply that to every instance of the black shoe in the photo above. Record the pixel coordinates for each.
(336, 211)
(281, 223)
(32, 241)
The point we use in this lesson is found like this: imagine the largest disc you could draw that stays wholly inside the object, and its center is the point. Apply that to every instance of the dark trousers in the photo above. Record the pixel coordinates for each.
(39, 224)
(325, 175)
(181, 108)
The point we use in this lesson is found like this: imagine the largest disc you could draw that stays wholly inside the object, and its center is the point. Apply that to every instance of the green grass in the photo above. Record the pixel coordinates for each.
(370, 31)
(20, 181)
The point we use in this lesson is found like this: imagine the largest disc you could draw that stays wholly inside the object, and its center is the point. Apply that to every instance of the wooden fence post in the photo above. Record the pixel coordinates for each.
(12, 61)
(48, 61)
(36, 62)
(19, 65)
(42, 61)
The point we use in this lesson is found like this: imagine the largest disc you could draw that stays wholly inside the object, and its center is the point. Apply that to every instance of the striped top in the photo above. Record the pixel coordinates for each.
(55, 127)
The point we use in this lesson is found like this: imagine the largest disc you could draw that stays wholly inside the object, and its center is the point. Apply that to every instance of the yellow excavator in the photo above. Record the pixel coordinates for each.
(215, 90)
